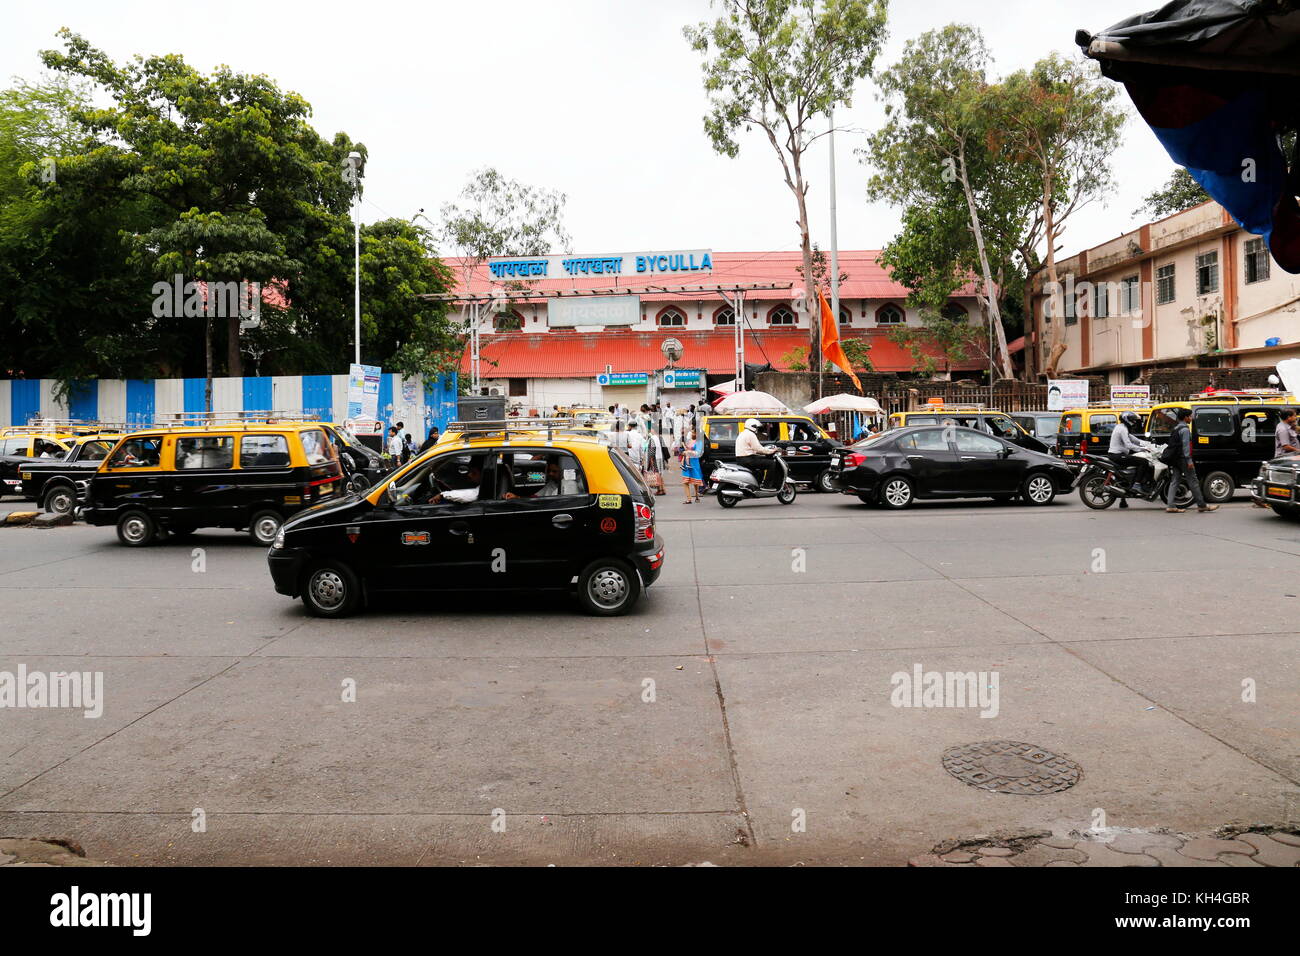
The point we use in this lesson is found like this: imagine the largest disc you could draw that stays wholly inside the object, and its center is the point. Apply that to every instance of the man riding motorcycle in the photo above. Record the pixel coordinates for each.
(752, 453)
(1123, 449)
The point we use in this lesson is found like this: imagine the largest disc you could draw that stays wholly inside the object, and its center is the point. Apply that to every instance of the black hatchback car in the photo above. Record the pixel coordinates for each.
(897, 467)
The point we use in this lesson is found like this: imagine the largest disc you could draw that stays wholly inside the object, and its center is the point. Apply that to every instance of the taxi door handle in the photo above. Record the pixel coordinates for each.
(969, 457)
(562, 521)
(461, 528)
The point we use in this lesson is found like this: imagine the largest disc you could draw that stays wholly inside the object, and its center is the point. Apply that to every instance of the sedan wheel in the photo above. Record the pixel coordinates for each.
(264, 527)
(608, 587)
(1038, 490)
(824, 482)
(60, 501)
(896, 493)
(331, 590)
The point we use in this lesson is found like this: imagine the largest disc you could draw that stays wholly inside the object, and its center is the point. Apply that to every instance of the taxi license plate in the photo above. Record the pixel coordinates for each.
(327, 489)
(1067, 451)
(1277, 492)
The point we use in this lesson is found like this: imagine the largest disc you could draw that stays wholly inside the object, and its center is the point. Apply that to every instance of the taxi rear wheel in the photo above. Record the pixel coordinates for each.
(825, 482)
(608, 587)
(135, 529)
(61, 500)
(331, 589)
(264, 526)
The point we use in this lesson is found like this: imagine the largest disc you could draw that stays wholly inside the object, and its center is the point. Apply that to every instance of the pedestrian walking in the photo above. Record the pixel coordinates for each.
(1285, 441)
(653, 462)
(692, 476)
(1181, 466)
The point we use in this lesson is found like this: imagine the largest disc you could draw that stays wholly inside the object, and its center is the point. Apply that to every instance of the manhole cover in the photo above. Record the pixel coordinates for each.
(1009, 766)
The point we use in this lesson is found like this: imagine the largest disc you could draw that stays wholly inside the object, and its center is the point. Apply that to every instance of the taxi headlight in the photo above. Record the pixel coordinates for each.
(278, 543)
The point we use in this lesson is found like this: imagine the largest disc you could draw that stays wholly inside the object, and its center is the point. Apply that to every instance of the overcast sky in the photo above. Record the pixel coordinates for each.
(601, 99)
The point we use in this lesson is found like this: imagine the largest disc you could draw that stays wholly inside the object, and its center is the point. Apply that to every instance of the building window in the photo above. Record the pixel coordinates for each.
(846, 315)
(781, 315)
(508, 322)
(1101, 300)
(1165, 284)
(725, 316)
(1207, 273)
(518, 386)
(955, 313)
(672, 319)
(1130, 296)
(1257, 261)
(889, 315)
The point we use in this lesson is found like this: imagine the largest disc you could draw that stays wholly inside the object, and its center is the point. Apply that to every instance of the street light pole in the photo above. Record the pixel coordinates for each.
(354, 162)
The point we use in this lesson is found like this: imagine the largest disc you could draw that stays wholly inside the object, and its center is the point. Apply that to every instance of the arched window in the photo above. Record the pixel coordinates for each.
(725, 316)
(671, 318)
(889, 315)
(954, 312)
(510, 321)
(781, 315)
(846, 315)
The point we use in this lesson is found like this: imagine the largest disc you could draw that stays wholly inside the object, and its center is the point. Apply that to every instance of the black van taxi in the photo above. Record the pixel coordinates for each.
(513, 508)
(805, 445)
(1232, 436)
(176, 480)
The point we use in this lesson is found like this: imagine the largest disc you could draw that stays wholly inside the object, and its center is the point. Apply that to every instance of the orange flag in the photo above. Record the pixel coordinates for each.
(831, 348)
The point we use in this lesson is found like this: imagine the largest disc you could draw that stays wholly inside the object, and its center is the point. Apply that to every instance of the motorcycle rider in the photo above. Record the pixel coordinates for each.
(751, 453)
(1123, 449)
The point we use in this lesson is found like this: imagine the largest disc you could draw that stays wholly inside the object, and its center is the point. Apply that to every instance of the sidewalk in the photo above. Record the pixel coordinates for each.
(46, 852)
(1227, 846)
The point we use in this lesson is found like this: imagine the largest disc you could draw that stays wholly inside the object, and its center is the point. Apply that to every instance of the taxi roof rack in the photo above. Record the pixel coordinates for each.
(952, 407)
(508, 426)
(1272, 395)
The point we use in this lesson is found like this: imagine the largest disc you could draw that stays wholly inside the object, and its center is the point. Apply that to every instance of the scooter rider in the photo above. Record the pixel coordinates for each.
(1124, 447)
(752, 453)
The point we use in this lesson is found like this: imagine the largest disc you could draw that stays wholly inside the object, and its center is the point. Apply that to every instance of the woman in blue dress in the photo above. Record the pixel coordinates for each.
(692, 476)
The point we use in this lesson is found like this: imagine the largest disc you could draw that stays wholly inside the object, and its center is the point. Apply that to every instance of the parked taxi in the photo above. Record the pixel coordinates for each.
(174, 480)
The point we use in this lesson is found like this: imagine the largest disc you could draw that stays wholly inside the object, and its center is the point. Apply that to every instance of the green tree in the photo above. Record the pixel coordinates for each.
(1059, 118)
(1179, 192)
(944, 339)
(782, 66)
(965, 212)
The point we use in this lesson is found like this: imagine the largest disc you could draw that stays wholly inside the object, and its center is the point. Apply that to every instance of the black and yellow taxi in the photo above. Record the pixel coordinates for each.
(21, 444)
(987, 420)
(1086, 431)
(1232, 435)
(516, 505)
(175, 480)
(804, 444)
(57, 482)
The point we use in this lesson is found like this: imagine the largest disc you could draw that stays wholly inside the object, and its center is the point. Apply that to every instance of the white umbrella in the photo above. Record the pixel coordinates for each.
(750, 402)
(844, 403)
(724, 388)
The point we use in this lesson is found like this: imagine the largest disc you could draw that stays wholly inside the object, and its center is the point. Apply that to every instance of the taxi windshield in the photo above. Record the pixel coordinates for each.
(1163, 421)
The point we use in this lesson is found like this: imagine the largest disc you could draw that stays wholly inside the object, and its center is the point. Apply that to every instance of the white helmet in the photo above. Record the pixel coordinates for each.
(752, 424)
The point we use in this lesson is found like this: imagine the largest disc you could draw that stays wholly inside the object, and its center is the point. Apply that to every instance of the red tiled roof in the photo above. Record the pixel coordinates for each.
(585, 355)
(866, 278)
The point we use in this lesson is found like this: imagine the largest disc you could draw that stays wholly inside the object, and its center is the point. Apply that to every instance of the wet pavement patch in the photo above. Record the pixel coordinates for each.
(1010, 766)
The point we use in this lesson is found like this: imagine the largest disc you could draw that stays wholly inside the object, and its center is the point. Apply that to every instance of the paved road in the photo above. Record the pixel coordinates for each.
(772, 693)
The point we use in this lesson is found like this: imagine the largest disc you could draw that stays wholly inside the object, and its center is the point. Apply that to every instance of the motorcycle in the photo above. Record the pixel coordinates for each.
(1104, 482)
(732, 483)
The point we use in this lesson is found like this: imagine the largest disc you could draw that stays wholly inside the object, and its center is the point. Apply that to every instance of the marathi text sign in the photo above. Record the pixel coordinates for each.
(562, 313)
(1130, 396)
(611, 264)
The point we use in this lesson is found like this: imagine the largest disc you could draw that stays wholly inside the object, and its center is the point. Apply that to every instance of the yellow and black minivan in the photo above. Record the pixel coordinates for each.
(805, 445)
(175, 480)
(498, 506)
(1086, 431)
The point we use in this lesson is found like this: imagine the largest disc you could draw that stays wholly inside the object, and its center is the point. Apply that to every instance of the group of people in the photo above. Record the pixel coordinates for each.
(651, 436)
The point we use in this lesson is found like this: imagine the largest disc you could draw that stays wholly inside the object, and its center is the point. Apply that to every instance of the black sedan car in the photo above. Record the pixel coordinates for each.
(897, 467)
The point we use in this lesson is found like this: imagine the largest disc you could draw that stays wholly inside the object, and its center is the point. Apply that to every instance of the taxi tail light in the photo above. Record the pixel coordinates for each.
(853, 459)
(644, 521)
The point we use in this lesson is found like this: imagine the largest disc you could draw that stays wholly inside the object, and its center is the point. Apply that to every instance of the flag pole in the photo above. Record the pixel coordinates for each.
(835, 251)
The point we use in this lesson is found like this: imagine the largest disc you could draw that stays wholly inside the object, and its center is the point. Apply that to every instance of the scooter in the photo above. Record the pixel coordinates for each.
(1104, 482)
(733, 483)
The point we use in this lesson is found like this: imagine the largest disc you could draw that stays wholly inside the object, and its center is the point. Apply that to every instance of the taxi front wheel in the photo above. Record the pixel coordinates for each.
(331, 589)
(135, 529)
(608, 587)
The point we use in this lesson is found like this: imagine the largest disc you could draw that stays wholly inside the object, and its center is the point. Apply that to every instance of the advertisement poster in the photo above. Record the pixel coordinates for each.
(1067, 393)
(1130, 396)
(363, 391)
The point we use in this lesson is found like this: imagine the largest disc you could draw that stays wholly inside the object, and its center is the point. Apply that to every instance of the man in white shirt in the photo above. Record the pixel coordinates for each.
(752, 453)
(462, 496)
